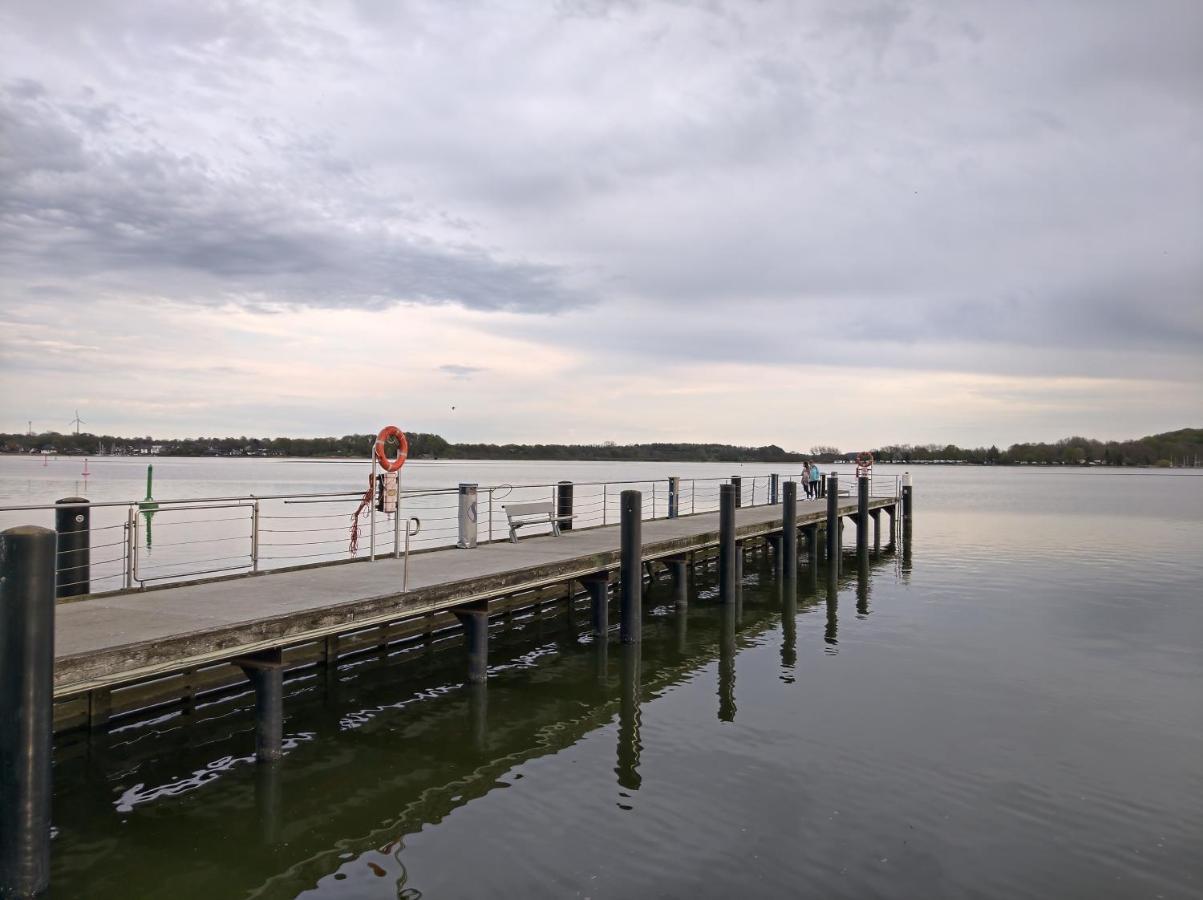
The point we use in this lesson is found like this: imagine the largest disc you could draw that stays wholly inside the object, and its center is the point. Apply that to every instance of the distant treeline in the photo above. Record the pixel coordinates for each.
(1179, 448)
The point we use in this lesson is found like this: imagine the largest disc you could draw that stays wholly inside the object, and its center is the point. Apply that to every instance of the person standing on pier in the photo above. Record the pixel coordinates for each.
(807, 487)
(814, 479)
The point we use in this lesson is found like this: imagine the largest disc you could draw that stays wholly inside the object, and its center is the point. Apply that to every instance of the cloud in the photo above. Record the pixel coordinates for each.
(972, 189)
(461, 372)
(83, 193)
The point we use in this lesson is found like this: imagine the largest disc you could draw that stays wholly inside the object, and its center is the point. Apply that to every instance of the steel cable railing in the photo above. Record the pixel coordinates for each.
(268, 531)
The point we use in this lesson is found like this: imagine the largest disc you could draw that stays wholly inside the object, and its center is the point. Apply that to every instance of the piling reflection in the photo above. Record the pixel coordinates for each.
(629, 745)
(726, 663)
(862, 583)
(478, 715)
(789, 623)
(830, 634)
(267, 800)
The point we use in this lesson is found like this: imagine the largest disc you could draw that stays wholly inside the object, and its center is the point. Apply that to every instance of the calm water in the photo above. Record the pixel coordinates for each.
(1013, 707)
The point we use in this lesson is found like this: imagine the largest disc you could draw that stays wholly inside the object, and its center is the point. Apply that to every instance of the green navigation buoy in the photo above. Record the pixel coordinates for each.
(148, 506)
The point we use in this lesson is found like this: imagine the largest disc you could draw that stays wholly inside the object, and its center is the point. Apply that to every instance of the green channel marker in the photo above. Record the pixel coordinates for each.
(148, 506)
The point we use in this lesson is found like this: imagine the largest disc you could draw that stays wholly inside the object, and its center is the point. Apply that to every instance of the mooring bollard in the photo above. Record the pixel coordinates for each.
(564, 505)
(833, 518)
(908, 497)
(630, 626)
(674, 497)
(789, 527)
(73, 576)
(27, 570)
(862, 514)
(738, 483)
(727, 572)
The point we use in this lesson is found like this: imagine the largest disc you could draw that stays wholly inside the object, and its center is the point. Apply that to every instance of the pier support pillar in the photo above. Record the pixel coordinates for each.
(265, 671)
(73, 571)
(789, 527)
(812, 544)
(876, 514)
(674, 497)
(833, 519)
(27, 570)
(598, 587)
(679, 566)
(862, 514)
(774, 542)
(630, 576)
(564, 505)
(727, 550)
(738, 483)
(908, 498)
(774, 488)
(475, 619)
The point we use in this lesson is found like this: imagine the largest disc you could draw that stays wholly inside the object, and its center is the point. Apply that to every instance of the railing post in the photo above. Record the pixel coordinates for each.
(27, 570)
(564, 505)
(674, 497)
(255, 537)
(73, 576)
(131, 544)
(789, 527)
(727, 573)
(605, 502)
(631, 568)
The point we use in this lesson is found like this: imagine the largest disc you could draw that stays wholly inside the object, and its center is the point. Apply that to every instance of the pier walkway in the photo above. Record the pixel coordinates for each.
(107, 641)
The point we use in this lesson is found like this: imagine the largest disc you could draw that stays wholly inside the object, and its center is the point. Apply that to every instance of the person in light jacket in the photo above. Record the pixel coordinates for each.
(814, 479)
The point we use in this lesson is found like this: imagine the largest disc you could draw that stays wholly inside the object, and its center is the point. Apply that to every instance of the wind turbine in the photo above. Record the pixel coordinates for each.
(77, 421)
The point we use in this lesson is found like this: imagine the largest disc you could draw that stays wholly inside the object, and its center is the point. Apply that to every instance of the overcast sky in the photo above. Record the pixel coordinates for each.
(835, 222)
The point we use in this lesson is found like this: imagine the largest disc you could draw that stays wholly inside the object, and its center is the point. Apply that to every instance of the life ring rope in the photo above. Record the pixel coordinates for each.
(391, 431)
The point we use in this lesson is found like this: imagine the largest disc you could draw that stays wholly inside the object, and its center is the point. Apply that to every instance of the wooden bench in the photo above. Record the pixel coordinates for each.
(543, 513)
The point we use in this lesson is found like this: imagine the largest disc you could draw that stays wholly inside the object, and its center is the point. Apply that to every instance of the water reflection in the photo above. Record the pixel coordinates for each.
(862, 583)
(831, 633)
(726, 662)
(789, 623)
(384, 744)
(629, 744)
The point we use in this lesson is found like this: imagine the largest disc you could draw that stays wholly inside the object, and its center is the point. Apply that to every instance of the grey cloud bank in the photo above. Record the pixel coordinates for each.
(990, 188)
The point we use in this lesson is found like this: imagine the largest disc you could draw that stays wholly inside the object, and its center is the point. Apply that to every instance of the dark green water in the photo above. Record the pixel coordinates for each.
(1013, 707)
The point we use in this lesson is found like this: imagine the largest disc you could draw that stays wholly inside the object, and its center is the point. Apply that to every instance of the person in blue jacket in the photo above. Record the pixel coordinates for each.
(814, 479)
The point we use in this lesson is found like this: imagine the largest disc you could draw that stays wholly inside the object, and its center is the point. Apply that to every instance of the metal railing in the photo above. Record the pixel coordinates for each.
(143, 543)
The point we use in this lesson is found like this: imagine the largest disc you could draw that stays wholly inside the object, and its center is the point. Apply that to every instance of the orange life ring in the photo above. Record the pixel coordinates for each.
(391, 431)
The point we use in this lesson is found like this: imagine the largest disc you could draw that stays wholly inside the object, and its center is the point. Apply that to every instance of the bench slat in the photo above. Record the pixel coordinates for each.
(529, 509)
